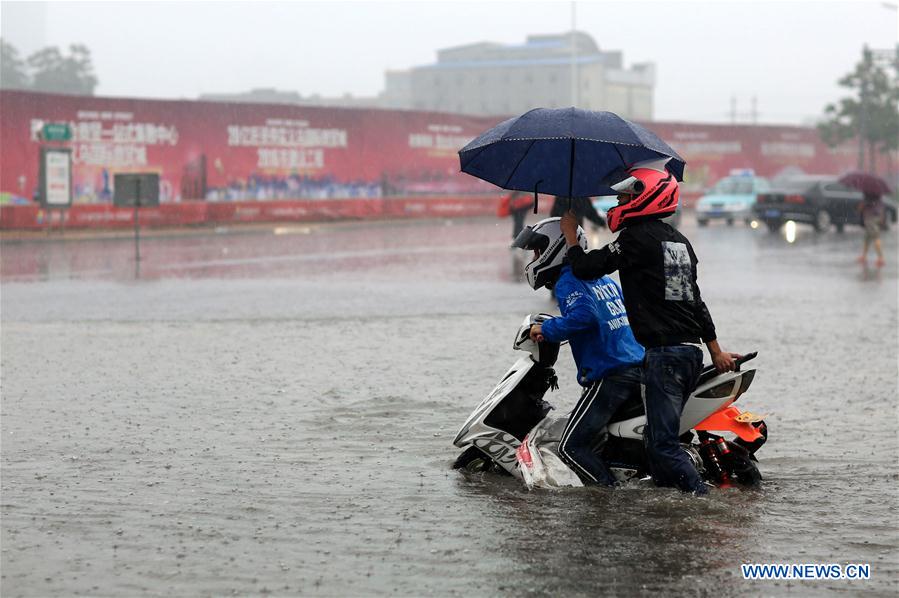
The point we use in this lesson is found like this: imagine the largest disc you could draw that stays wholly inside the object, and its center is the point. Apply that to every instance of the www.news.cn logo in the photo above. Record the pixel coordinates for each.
(806, 571)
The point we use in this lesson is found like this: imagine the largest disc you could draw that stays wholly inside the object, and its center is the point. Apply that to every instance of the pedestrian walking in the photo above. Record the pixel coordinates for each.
(873, 216)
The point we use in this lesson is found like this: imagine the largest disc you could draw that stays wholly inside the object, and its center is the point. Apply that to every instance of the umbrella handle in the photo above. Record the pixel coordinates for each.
(537, 184)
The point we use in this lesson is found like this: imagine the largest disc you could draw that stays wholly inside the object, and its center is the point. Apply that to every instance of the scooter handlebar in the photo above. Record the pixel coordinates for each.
(740, 361)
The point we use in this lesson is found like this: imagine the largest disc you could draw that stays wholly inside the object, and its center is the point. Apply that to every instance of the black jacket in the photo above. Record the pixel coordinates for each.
(657, 267)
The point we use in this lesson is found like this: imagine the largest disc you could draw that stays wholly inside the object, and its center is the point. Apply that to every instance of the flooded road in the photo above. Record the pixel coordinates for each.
(272, 413)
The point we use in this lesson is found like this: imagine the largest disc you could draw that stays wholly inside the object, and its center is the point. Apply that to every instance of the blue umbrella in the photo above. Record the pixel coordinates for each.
(563, 151)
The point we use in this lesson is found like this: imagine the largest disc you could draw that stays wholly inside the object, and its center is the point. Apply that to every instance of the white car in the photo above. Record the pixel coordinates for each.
(731, 199)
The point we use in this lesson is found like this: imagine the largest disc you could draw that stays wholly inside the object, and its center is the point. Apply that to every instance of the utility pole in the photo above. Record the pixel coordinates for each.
(574, 77)
(863, 106)
(733, 110)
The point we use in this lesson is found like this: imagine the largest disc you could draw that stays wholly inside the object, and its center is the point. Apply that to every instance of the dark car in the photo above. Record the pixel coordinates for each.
(821, 201)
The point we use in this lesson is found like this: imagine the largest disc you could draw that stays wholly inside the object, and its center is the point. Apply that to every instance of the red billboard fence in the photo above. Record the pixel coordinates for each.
(243, 162)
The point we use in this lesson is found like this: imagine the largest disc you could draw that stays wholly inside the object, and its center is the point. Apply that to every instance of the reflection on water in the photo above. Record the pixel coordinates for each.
(627, 541)
(260, 252)
(469, 250)
(790, 231)
(870, 273)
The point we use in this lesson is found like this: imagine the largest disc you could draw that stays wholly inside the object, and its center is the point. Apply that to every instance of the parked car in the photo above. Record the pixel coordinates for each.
(602, 204)
(817, 200)
(731, 198)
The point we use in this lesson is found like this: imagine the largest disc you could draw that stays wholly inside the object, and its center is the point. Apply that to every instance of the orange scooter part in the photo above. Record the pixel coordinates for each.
(726, 421)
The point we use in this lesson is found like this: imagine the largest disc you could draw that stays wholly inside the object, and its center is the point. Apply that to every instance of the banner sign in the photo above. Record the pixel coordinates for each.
(56, 177)
(136, 190)
(224, 152)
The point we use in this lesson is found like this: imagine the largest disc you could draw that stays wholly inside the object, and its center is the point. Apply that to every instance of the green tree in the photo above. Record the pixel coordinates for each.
(12, 68)
(56, 73)
(870, 115)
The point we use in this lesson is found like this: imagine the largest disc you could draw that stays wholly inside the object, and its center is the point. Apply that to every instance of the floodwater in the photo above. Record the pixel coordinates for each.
(271, 413)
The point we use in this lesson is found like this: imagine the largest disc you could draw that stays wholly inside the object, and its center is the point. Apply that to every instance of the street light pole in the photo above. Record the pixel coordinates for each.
(137, 231)
(574, 78)
(863, 107)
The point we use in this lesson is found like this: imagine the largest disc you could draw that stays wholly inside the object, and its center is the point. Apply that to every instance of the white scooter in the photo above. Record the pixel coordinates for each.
(511, 430)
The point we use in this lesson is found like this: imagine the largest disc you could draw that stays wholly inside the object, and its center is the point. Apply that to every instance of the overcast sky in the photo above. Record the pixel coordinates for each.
(787, 54)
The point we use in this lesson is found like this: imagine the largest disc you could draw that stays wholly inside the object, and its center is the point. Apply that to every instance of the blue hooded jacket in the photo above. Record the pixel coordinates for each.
(594, 322)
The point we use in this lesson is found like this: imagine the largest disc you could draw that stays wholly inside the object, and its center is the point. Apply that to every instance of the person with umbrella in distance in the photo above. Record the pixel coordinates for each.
(873, 216)
(657, 267)
(871, 210)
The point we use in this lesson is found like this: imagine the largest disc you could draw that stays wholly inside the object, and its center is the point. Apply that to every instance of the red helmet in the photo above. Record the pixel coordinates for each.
(654, 194)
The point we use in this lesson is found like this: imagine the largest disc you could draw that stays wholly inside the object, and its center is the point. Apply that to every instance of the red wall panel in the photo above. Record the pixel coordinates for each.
(228, 152)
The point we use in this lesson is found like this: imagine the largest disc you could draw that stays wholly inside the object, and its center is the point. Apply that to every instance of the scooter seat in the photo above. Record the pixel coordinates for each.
(633, 406)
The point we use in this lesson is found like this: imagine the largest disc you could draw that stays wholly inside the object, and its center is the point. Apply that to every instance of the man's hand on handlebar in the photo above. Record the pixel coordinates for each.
(724, 361)
(536, 333)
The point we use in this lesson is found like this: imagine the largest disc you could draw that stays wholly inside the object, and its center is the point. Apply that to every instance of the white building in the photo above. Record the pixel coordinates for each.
(495, 79)
(499, 80)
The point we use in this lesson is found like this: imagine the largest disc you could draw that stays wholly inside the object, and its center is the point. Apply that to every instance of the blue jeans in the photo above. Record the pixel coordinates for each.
(596, 406)
(669, 375)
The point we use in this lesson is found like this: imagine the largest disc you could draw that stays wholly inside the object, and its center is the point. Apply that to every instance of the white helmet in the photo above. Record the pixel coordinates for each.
(545, 239)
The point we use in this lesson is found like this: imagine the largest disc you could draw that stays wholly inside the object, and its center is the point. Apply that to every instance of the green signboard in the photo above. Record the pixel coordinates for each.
(56, 132)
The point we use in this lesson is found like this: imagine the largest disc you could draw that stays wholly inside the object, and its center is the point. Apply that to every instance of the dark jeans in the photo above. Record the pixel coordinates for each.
(591, 414)
(669, 376)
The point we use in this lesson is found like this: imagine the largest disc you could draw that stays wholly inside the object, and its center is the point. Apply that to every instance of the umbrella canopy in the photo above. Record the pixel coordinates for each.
(867, 183)
(564, 151)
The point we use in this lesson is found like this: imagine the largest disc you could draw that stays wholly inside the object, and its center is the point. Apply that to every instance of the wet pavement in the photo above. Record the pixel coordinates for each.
(271, 413)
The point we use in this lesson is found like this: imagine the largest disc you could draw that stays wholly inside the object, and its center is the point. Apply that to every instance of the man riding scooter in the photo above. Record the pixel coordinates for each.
(657, 267)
